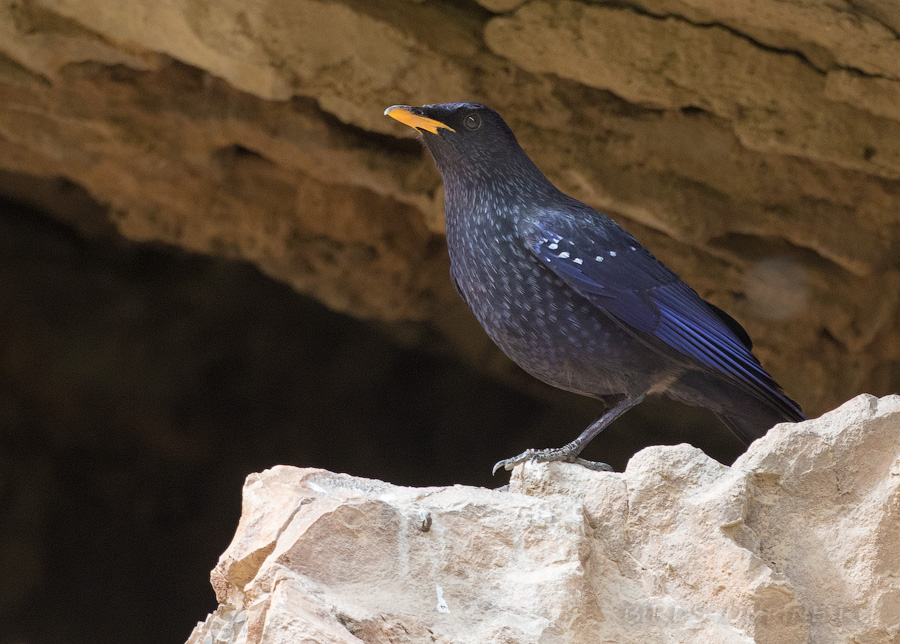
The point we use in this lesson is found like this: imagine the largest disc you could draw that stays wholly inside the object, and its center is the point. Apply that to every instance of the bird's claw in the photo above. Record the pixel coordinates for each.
(509, 463)
(548, 455)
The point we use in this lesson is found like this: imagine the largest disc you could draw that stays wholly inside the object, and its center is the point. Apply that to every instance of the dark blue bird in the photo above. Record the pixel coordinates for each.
(573, 298)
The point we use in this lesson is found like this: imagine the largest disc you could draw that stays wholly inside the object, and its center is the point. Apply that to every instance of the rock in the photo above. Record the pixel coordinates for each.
(255, 132)
(774, 102)
(500, 6)
(797, 541)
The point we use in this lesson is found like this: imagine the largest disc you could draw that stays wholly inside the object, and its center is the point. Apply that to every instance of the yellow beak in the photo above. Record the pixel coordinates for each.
(405, 115)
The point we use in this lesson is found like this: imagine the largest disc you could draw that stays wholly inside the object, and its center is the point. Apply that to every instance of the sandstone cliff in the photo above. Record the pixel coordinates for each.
(754, 146)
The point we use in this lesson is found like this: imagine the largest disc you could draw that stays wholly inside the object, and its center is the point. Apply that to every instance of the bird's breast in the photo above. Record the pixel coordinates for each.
(532, 315)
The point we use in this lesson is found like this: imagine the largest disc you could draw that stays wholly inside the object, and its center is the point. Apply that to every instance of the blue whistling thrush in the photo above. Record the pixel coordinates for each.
(573, 298)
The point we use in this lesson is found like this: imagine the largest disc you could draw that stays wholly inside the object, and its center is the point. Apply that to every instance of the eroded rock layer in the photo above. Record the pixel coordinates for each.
(754, 146)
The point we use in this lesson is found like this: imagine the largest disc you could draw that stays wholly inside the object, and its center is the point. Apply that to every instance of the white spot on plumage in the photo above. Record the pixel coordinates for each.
(632, 248)
(612, 253)
(578, 260)
(598, 258)
(553, 246)
(564, 255)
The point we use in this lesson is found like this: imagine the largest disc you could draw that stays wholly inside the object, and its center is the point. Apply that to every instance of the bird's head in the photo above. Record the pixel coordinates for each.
(469, 141)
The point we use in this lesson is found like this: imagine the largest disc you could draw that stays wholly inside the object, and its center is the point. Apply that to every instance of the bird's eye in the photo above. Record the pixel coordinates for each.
(472, 121)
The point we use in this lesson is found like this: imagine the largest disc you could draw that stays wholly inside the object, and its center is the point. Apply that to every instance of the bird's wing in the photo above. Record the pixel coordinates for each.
(608, 267)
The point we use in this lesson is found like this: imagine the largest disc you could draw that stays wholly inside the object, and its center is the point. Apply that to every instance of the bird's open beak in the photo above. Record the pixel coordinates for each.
(406, 115)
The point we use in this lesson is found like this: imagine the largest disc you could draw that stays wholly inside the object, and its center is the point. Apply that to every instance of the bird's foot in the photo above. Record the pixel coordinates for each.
(547, 455)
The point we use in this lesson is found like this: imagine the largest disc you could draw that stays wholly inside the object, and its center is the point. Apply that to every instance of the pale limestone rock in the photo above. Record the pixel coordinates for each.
(798, 541)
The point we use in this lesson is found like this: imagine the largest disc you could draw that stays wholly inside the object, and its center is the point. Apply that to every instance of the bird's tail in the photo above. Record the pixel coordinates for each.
(745, 414)
(748, 429)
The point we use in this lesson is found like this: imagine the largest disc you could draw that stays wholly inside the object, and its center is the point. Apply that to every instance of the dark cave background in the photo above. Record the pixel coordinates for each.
(140, 385)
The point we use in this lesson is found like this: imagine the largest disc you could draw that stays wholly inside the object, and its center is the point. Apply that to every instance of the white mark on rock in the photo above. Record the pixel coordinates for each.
(441, 602)
(316, 487)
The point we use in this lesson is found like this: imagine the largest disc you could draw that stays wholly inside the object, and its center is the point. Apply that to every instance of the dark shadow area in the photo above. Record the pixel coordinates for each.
(140, 385)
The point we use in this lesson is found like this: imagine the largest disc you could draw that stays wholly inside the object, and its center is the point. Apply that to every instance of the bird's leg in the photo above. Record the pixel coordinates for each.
(569, 453)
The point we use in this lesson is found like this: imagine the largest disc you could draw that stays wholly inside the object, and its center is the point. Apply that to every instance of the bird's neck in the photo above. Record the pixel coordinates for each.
(496, 191)
(482, 210)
